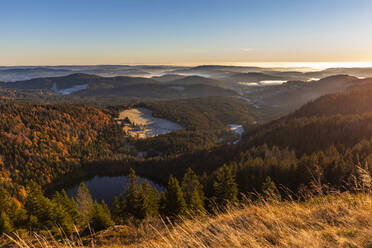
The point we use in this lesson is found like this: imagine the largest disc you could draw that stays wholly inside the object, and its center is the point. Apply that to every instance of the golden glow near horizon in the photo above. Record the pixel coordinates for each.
(303, 66)
(319, 33)
(237, 57)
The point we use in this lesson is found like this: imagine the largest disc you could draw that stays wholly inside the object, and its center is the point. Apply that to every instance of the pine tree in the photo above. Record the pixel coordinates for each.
(193, 191)
(84, 201)
(173, 200)
(225, 187)
(32, 222)
(269, 190)
(62, 221)
(196, 204)
(132, 194)
(99, 216)
(39, 206)
(118, 209)
(69, 205)
(148, 200)
(44, 213)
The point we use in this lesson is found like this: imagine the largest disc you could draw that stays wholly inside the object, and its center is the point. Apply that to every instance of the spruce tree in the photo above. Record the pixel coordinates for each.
(69, 205)
(269, 190)
(132, 194)
(193, 191)
(196, 204)
(99, 216)
(62, 221)
(44, 213)
(225, 187)
(148, 200)
(173, 200)
(39, 206)
(118, 209)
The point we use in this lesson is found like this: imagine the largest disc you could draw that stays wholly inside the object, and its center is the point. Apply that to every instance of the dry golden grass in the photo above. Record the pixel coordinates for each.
(340, 220)
(344, 220)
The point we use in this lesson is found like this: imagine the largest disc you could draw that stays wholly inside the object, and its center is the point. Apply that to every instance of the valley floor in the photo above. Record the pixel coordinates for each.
(144, 124)
(343, 220)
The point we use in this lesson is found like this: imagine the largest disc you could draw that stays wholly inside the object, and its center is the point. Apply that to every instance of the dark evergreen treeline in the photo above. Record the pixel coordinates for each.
(334, 167)
(306, 135)
(184, 141)
(356, 100)
(341, 119)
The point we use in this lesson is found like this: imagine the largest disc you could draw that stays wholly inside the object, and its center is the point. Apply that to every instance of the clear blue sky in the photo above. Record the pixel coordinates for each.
(183, 32)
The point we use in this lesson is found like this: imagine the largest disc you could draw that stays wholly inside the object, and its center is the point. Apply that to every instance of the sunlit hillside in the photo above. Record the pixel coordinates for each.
(186, 124)
(339, 220)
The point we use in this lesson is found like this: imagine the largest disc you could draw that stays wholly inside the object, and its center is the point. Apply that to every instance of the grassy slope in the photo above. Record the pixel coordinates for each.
(333, 221)
(343, 220)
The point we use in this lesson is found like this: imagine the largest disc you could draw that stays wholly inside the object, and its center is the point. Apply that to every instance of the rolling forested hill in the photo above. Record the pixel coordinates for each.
(340, 119)
(323, 147)
(356, 100)
(44, 142)
(85, 88)
(206, 113)
(329, 138)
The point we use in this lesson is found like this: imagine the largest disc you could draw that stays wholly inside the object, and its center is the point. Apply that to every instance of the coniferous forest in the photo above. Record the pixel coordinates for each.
(185, 124)
(323, 146)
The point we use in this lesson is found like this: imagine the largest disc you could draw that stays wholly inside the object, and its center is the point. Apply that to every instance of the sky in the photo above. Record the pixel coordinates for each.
(189, 32)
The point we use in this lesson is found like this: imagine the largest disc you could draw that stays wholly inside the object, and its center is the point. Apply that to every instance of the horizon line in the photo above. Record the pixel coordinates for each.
(284, 64)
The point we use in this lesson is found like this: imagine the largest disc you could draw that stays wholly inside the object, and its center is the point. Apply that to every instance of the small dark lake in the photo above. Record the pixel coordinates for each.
(107, 187)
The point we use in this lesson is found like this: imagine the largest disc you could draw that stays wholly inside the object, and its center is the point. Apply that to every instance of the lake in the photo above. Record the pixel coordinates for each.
(107, 187)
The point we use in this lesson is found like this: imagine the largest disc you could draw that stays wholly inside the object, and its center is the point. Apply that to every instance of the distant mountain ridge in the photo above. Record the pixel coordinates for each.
(274, 99)
(77, 79)
(92, 85)
(192, 80)
(251, 77)
(18, 73)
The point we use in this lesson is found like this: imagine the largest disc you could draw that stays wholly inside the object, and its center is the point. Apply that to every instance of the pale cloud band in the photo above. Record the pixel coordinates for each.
(247, 49)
